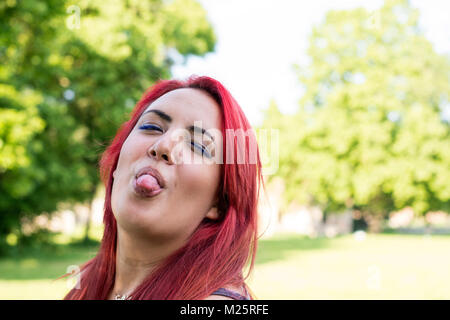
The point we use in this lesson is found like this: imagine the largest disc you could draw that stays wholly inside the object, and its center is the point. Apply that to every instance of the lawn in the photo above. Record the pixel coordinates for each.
(382, 266)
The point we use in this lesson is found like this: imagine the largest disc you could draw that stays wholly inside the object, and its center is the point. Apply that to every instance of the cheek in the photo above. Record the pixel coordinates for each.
(199, 181)
(125, 167)
(132, 149)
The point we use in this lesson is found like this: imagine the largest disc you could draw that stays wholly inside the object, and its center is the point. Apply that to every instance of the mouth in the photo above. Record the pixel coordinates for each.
(148, 182)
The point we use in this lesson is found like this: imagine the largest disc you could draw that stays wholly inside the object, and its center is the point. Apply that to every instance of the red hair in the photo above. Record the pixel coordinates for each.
(218, 251)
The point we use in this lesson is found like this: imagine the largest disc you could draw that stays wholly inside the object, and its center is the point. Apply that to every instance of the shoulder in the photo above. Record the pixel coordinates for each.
(217, 297)
(230, 293)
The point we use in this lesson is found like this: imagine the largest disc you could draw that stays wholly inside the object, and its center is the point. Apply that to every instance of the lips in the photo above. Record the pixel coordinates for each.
(148, 182)
(152, 172)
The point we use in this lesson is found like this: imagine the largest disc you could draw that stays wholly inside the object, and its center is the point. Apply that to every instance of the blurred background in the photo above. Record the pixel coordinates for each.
(350, 101)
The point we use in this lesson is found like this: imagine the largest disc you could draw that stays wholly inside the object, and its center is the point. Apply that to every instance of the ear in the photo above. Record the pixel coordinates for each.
(213, 213)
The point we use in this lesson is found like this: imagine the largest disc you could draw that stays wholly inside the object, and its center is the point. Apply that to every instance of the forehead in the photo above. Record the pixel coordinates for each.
(188, 105)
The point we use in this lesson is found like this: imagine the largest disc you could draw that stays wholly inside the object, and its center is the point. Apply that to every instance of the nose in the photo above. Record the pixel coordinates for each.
(160, 151)
(164, 148)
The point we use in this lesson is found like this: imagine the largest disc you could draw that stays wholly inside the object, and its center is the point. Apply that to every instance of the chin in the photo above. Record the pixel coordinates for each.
(139, 218)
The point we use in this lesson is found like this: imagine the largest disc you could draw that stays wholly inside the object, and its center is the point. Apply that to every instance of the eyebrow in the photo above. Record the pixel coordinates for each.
(161, 114)
(168, 118)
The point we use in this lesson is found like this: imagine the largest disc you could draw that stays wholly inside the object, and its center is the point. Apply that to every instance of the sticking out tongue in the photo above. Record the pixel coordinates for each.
(148, 182)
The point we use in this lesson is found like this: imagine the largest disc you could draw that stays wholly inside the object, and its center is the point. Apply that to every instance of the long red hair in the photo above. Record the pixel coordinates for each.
(218, 251)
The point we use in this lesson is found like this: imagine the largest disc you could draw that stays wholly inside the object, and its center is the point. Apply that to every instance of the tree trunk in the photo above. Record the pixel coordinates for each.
(374, 221)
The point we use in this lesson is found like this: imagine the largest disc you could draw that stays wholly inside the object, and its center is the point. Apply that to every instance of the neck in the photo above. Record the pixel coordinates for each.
(136, 258)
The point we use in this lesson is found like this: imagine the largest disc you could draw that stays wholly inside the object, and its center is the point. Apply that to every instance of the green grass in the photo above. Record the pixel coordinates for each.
(383, 266)
(32, 275)
(380, 267)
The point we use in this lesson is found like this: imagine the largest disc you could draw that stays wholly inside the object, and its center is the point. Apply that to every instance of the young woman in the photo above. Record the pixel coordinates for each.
(180, 210)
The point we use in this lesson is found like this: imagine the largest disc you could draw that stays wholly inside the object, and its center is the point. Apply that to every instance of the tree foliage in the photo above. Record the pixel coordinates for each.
(70, 73)
(370, 131)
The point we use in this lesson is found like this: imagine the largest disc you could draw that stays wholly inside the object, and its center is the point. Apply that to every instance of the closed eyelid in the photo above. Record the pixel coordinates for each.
(204, 148)
(192, 133)
(159, 114)
(145, 126)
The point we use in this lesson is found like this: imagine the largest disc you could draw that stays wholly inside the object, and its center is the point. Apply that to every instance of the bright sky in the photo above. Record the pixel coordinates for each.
(258, 41)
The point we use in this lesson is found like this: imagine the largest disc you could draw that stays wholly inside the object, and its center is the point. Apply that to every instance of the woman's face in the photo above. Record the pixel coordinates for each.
(163, 139)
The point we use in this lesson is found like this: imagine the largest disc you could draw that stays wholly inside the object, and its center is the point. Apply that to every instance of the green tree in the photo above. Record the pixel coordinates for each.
(369, 132)
(70, 73)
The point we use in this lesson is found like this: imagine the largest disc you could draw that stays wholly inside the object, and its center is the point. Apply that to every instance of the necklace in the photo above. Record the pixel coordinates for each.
(122, 297)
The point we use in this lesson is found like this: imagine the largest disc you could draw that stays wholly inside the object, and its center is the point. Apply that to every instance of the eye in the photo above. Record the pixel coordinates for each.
(201, 148)
(150, 127)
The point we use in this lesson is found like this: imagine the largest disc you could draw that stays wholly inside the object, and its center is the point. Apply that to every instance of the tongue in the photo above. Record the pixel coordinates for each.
(148, 182)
